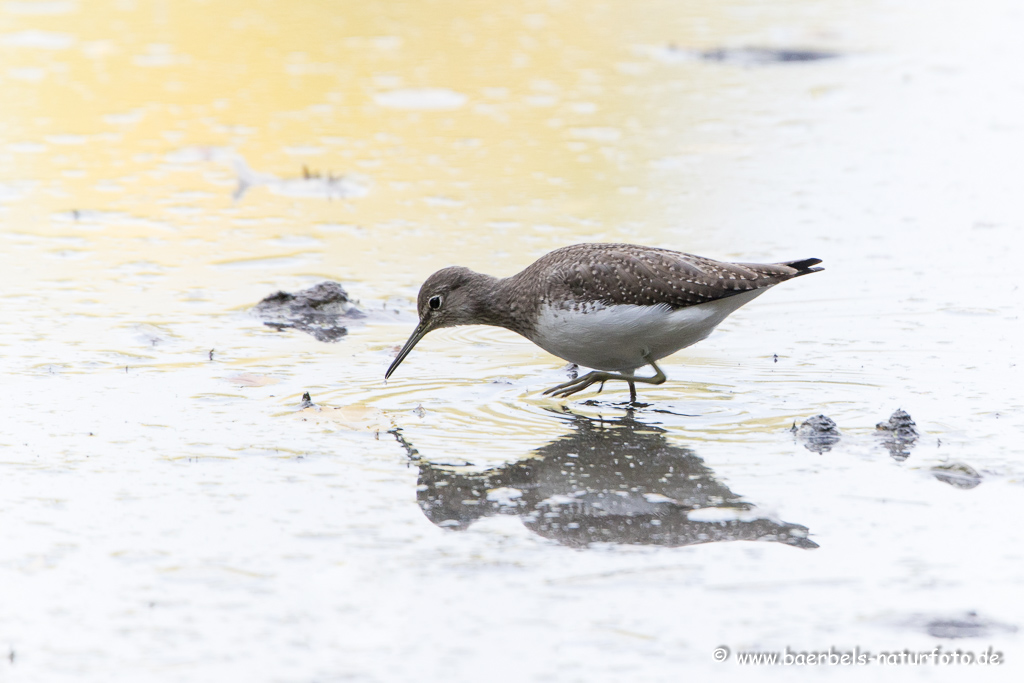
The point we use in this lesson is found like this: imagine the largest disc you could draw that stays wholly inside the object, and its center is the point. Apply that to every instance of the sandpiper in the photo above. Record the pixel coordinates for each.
(610, 307)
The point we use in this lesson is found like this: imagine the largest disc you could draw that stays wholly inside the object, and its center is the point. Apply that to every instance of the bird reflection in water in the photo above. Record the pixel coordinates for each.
(607, 481)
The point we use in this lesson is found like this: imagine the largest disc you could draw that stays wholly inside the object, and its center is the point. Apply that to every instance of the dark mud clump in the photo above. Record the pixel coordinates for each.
(899, 434)
(957, 474)
(900, 425)
(322, 311)
(818, 433)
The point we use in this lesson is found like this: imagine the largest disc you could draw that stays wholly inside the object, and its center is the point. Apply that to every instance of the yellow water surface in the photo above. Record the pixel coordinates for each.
(170, 508)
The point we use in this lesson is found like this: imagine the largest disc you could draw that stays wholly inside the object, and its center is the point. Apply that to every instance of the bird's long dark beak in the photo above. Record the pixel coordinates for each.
(417, 334)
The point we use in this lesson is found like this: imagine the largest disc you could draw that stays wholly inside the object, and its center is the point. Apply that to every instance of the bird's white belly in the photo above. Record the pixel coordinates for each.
(618, 338)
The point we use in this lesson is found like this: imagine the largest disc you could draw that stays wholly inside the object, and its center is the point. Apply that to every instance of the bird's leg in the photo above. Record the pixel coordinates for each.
(632, 385)
(579, 384)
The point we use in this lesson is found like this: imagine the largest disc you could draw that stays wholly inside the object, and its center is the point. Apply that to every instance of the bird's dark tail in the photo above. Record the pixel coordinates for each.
(804, 266)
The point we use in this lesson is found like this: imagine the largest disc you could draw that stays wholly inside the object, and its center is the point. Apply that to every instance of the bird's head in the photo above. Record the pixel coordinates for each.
(445, 300)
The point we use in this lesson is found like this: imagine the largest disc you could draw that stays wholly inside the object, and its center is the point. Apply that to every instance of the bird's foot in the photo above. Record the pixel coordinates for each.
(579, 384)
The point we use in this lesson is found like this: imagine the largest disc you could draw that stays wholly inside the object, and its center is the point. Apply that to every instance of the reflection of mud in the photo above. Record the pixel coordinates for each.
(320, 311)
(899, 434)
(616, 481)
(958, 474)
(818, 433)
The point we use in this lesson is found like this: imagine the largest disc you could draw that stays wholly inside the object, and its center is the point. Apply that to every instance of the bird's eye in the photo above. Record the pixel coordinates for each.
(434, 302)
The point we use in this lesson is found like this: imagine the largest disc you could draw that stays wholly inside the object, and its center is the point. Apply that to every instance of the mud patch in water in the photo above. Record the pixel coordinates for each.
(742, 56)
(969, 625)
(818, 433)
(954, 626)
(899, 434)
(321, 311)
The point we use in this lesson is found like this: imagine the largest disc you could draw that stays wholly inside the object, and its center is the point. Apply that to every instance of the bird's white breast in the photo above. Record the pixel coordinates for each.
(618, 338)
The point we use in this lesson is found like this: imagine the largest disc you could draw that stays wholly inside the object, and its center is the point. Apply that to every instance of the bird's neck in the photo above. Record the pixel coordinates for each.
(492, 302)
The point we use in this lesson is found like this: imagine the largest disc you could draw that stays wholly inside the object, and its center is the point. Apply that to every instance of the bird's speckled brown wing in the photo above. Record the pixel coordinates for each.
(645, 276)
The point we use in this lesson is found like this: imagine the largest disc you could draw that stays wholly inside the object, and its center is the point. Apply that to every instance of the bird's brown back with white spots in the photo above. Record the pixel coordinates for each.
(645, 276)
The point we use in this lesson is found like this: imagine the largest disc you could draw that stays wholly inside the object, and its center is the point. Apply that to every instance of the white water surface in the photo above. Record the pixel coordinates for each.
(169, 510)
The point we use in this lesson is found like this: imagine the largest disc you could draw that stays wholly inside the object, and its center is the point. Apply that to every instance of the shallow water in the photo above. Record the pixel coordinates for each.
(172, 511)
